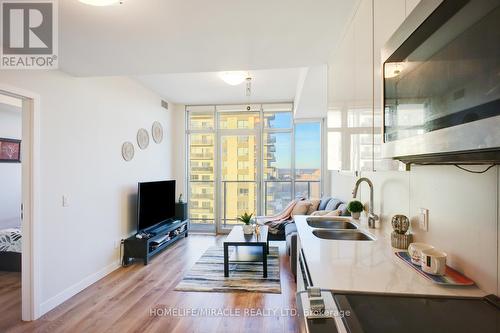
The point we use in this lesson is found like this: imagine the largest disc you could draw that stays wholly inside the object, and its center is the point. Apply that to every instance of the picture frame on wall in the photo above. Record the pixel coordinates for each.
(10, 150)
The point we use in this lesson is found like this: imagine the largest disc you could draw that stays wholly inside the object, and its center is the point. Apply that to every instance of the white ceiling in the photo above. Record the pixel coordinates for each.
(180, 36)
(278, 85)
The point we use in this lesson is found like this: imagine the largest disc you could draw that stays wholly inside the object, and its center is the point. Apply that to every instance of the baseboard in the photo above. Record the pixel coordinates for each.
(76, 288)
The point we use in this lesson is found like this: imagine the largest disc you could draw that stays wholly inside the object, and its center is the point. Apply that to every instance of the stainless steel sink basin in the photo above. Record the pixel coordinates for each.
(329, 224)
(352, 235)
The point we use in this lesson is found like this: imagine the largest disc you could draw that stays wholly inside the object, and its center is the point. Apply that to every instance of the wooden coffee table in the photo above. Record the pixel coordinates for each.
(248, 248)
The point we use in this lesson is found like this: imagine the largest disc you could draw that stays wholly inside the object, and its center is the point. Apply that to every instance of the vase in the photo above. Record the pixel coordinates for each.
(400, 224)
(356, 215)
(248, 229)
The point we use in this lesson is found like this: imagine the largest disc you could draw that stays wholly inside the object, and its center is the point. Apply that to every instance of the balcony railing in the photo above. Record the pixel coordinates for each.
(275, 200)
(229, 218)
(202, 196)
(201, 144)
(202, 169)
(208, 157)
(243, 197)
(201, 210)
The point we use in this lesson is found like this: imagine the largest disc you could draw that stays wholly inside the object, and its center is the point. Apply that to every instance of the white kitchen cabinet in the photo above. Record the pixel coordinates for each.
(363, 59)
(341, 87)
(354, 88)
(388, 16)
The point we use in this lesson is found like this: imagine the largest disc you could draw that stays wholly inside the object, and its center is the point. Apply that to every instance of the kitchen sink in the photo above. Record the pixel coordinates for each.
(353, 235)
(330, 224)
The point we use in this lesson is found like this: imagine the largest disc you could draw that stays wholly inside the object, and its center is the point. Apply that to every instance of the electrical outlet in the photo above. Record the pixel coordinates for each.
(424, 219)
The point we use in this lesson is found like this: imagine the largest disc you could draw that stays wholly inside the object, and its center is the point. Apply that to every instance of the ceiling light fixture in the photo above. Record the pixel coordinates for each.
(101, 2)
(233, 78)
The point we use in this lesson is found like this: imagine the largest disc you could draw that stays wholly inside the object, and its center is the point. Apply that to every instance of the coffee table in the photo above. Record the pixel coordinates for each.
(248, 248)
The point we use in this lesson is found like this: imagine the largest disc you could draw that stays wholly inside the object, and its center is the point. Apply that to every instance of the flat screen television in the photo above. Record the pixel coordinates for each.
(155, 203)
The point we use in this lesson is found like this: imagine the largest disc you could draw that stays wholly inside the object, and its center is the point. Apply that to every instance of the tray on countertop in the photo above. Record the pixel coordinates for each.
(451, 277)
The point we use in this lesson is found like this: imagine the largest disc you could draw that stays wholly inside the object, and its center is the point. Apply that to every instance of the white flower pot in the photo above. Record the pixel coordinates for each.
(356, 215)
(248, 229)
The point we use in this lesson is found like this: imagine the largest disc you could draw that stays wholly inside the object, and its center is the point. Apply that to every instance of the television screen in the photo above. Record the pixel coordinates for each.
(155, 203)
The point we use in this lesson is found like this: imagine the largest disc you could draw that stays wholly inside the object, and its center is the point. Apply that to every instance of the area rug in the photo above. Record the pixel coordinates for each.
(207, 274)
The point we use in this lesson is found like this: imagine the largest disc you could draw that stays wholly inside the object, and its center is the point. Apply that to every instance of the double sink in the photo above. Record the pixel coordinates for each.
(337, 229)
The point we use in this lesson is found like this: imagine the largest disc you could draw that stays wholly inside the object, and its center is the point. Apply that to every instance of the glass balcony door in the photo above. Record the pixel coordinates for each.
(201, 185)
(239, 169)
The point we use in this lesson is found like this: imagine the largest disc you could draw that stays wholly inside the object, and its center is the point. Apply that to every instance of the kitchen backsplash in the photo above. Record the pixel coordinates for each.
(463, 212)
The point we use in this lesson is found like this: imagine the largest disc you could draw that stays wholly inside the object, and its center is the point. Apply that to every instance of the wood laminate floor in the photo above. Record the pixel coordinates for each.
(124, 300)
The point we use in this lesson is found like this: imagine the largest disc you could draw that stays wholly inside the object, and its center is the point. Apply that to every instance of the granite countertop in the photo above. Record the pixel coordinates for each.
(366, 266)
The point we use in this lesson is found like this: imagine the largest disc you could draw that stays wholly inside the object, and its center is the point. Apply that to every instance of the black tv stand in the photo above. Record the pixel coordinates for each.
(158, 238)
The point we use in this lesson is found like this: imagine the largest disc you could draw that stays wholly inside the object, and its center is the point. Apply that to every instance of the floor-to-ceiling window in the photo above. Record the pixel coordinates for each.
(248, 158)
(201, 166)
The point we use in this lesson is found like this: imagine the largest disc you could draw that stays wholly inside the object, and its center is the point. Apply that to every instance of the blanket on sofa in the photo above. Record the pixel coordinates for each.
(277, 222)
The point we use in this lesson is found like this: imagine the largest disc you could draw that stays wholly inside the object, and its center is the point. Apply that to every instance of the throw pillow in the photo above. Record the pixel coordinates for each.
(301, 208)
(333, 204)
(323, 203)
(314, 206)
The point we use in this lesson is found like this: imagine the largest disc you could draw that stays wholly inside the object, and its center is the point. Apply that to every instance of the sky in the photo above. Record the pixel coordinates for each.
(307, 143)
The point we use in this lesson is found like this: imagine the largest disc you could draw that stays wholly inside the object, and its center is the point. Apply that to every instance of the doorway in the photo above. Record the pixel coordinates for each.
(239, 176)
(10, 207)
(25, 207)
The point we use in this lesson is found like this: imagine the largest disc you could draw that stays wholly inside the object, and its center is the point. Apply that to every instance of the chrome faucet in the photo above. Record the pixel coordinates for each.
(371, 216)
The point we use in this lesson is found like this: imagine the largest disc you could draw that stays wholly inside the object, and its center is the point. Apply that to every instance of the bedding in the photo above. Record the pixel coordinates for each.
(10, 240)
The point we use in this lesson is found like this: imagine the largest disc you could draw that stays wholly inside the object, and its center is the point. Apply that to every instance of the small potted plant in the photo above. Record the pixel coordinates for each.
(355, 207)
(246, 219)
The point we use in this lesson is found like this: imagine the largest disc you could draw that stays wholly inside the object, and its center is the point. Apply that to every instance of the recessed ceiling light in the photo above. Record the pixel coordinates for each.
(233, 78)
(100, 2)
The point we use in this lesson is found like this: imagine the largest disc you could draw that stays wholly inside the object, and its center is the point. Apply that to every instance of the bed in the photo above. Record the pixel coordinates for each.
(10, 250)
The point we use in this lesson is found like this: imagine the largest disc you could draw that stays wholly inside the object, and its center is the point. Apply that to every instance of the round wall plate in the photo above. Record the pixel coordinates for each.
(143, 138)
(128, 151)
(157, 132)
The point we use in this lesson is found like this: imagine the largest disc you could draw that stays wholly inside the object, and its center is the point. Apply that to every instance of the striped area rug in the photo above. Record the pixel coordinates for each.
(207, 274)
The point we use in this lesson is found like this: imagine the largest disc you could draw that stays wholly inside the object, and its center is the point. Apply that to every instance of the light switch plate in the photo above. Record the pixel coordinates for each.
(65, 201)
(424, 219)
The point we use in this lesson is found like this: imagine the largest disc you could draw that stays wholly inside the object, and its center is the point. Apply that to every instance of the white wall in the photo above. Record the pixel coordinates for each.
(84, 122)
(179, 149)
(464, 207)
(10, 173)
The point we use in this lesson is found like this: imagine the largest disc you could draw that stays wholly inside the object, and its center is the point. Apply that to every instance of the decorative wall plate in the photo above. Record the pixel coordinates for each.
(143, 138)
(128, 151)
(157, 132)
